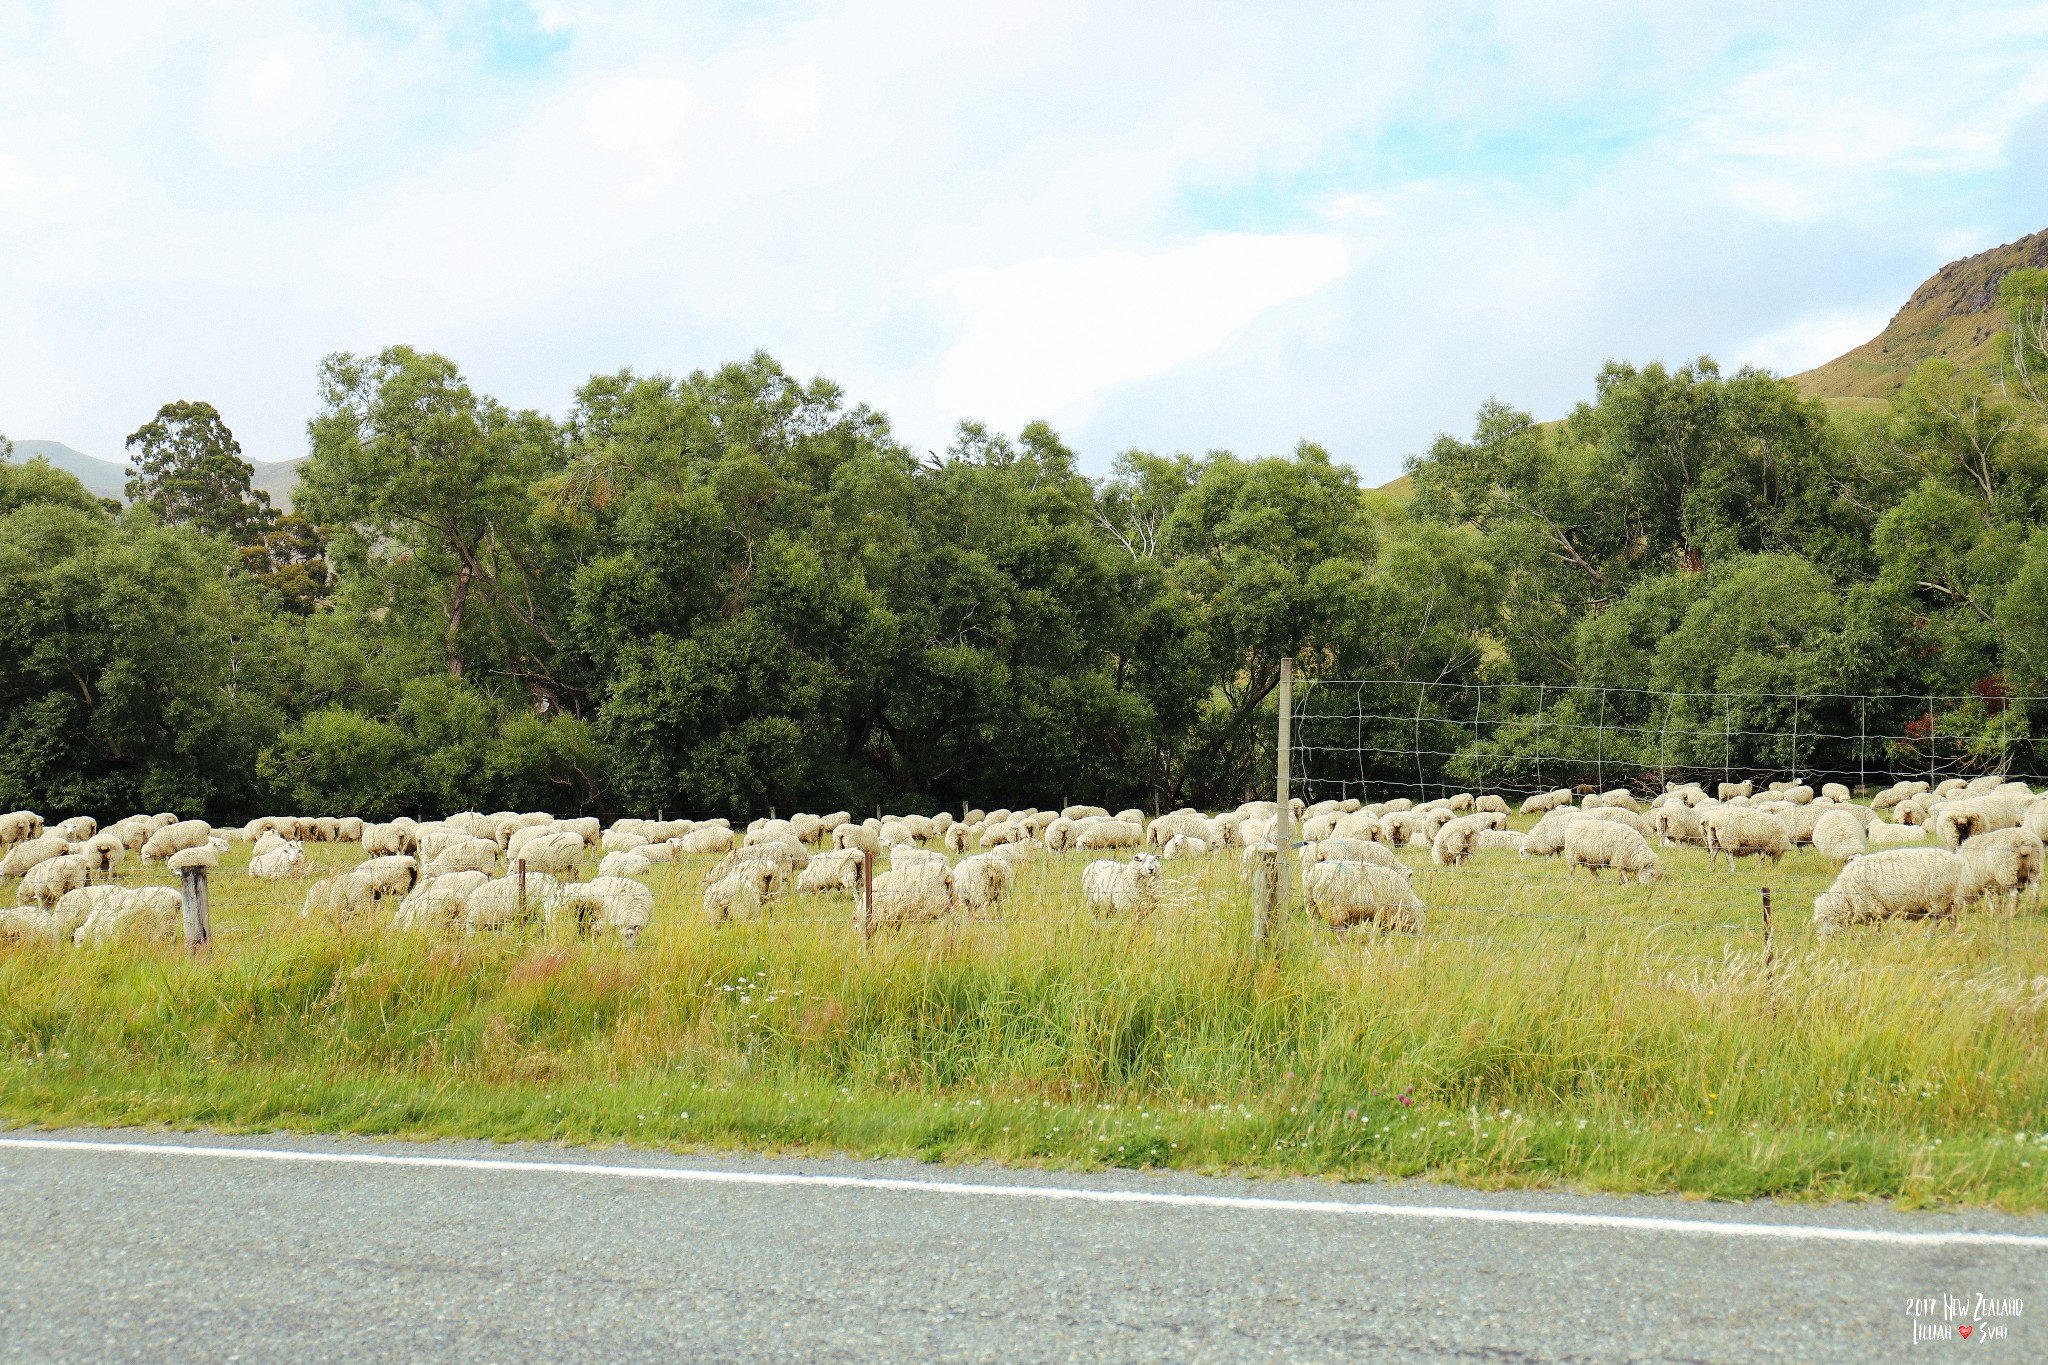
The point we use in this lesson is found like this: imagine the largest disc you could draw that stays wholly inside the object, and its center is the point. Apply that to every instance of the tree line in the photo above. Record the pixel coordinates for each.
(737, 590)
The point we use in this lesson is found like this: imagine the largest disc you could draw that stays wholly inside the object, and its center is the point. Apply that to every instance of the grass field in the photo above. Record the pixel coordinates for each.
(1542, 1030)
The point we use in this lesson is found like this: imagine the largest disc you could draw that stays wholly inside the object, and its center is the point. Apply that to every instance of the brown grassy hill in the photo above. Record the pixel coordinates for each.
(1954, 316)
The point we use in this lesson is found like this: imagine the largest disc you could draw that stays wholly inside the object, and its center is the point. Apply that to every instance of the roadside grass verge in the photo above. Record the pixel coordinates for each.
(1543, 1030)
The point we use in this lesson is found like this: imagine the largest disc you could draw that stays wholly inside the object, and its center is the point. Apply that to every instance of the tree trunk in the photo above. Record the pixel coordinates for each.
(456, 606)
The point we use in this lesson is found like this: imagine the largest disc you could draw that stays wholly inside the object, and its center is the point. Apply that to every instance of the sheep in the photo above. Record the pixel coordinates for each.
(1131, 888)
(1798, 793)
(77, 829)
(903, 895)
(1357, 825)
(1546, 839)
(1019, 851)
(1543, 802)
(1621, 798)
(149, 912)
(437, 902)
(1398, 827)
(1956, 821)
(835, 870)
(1728, 791)
(495, 903)
(51, 879)
(1838, 837)
(860, 837)
(1799, 820)
(740, 893)
(1594, 844)
(2003, 864)
(1322, 826)
(615, 903)
(102, 853)
(1182, 821)
(783, 859)
(1899, 883)
(1456, 839)
(54, 925)
(618, 840)
(131, 831)
(1913, 810)
(1622, 815)
(1835, 791)
(172, 838)
(465, 855)
(26, 854)
(1078, 812)
(981, 883)
(907, 855)
(1678, 823)
(554, 851)
(1059, 835)
(1895, 793)
(201, 855)
(1228, 829)
(1343, 894)
(1498, 838)
(286, 860)
(1185, 846)
(705, 839)
(1882, 834)
(1949, 788)
(391, 874)
(1740, 832)
(327, 829)
(1490, 803)
(623, 865)
(770, 832)
(396, 837)
(18, 826)
(959, 838)
(1108, 834)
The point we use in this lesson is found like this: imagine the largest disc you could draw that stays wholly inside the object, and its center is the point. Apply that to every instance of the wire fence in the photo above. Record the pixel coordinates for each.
(1380, 738)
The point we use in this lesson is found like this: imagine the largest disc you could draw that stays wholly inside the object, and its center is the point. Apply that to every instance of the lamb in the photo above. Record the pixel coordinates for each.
(286, 860)
(1132, 888)
(1543, 802)
(981, 883)
(2003, 865)
(1546, 840)
(1594, 844)
(151, 913)
(495, 904)
(1838, 837)
(1740, 832)
(555, 851)
(1899, 883)
(613, 903)
(1343, 894)
(1108, 834)
(623, 865)
(26, 854)
(51, 879)
(903, 895)
(1456, 839)
(436, 903)
(835, 870)
(1185, 846)
(173, 838)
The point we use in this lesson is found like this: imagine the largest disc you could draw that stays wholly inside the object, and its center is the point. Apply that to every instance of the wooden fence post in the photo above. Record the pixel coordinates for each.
(519, 870)
(198, 910)
(867, 894)
(1769, 952)
(1265, 893)
(1269, 921)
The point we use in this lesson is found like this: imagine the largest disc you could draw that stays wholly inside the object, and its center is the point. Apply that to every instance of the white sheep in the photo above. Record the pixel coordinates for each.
(1546, 839)
(907, 855)
(51, 879)
(1131, 888)
(981, 883)
(1838, 837)
(103, 853)
(1457, 838)
(705, 839)
(1185, 846)
(783, 858)
(740, 893)
(150, 913)
(495, 904)
(398, 836)
(437, 902)
(836, 869)
(1017, 851)
(1594, 844)
(1341, 851)
(627, 864)
(1183, 821)
(1953, 822)
(466, 854)
(1543, 802)
(19, 825)
(903, 895)
(1357, 825)
(2004, 864)
(1895, 793)
(175, 838)
(1898, 883)
(1622, 815)
(27, 853)
(555, 851)
(1107, 834)
(77, 829)
(1678, 823)
(619, 904)
(1836, 792)
(1742, 832)
(286, 860)
(1883, 834)
(618, 840)
(1343, 894)
(200, 855)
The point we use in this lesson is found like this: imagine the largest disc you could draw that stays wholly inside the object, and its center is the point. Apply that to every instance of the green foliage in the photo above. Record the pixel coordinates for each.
(189, 470)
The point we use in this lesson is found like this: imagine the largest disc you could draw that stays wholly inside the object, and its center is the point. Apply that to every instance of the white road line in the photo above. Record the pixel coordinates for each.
(1530, 1217)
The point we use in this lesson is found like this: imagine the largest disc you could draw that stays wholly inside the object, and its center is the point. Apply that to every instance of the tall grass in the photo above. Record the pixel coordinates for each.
(1543, 1029)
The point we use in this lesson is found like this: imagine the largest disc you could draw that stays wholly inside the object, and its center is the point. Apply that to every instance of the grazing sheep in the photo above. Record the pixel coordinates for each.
(437, 902)
(151, 913)
(53, 926)
(1493, 804)
(627, 864)
(1899, 883)
(1357, 825)
(26, 854)
(1883, 834)
(1080, 812)
(1343, 894)
(1798, 793)
(834, 870)
(771, 832)
(396, 837)
(1398, 827)
(616, 903)
(618, 840)
(495, 904)
(921, 892)
(1457, 838)
(392, 874)
(1678, 823)
(51, 879)
(850, 835)
(1621, 798)
(103, 853)
(18, 826)
(174, 838)
(1229, 832)
(1954, 822)
(1594, 844)
(1108, 834)
(202, 855)
(1543, 802)
(1741, 832)
(132, 831)
(1838, 837)
(2004, 864)
(77, 829)
(907, 855)
(959, 838)
(1622, 815)
(1728, 791)
(705, 839)
(1498, 838)
(1130, 888)
(1836, 792)
(1546, 839)
(286, 860)
(783, 859)
(1185, 846)
(1324, 825)
(981, 883)
(1017, 851)
(466, 854)
(740, 893)
(554, 851)
(1183, 821)
(1895, 793)
(1949, 788)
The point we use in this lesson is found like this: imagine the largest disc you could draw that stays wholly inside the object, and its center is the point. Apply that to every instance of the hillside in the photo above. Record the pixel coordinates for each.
(1953, 316)
(107, 478)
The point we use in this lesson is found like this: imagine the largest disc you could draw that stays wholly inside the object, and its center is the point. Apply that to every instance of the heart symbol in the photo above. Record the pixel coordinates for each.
(1965, 1330)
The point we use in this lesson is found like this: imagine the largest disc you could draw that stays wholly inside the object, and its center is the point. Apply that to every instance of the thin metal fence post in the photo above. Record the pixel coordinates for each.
(1600, 753)
(1283, 815)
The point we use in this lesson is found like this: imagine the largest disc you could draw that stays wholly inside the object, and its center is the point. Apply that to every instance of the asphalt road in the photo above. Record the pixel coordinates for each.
(166, 1255)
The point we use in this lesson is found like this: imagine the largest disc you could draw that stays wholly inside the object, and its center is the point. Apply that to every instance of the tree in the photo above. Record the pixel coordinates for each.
(189, 468)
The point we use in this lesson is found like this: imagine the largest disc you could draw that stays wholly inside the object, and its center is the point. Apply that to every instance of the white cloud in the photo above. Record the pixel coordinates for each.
(1042, 335)
(1811, 340)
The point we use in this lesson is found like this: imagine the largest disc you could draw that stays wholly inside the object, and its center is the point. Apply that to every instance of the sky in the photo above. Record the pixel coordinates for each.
(1170, 227)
